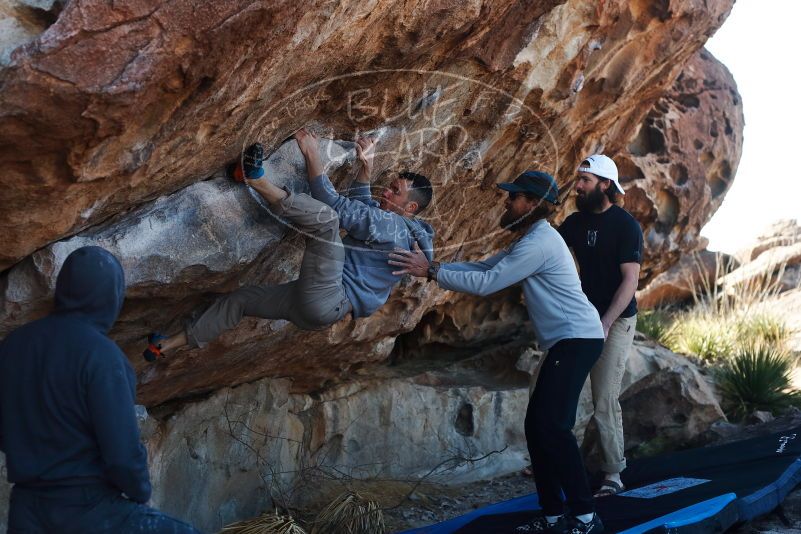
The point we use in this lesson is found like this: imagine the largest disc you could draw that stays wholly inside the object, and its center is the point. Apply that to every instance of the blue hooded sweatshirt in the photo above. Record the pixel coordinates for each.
(67, 391)
(372, 234)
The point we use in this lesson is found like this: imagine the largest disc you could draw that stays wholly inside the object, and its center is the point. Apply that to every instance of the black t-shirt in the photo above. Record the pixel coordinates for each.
(601, 242)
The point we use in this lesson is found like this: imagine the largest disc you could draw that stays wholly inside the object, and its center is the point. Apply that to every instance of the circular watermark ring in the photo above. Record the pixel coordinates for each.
(305, 98)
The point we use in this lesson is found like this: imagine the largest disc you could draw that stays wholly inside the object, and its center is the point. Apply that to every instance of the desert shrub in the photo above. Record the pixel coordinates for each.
(654, 324)
(706, 335)
(763, 328)
(715, 334)
(757, 377)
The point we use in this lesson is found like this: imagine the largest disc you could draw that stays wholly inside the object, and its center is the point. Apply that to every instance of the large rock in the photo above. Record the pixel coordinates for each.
(771, 265)
(664, 397)
(682, 161)
(211, 237)
(667, 404)
(112, 118)
(782, 233)
(111, 106)
(693, 276)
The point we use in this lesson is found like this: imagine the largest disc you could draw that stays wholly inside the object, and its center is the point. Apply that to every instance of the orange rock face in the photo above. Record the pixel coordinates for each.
(111, 108)
(682, 160)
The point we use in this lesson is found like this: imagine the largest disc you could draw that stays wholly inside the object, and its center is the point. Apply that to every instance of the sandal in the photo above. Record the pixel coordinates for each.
(609, 488)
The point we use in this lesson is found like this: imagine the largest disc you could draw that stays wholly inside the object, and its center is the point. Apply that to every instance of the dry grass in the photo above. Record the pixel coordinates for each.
(350, 513)
(722, 322)
(267, 523)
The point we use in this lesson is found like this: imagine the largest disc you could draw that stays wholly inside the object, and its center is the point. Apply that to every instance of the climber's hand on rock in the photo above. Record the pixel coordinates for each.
(307, 142)
(310, 148)
(365, 150)
(412, 262)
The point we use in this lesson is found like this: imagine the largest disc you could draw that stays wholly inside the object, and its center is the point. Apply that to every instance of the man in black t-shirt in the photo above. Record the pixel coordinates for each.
(607, 244)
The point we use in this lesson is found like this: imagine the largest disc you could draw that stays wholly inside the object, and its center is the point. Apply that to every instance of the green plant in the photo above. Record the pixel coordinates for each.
(763, 328)
(652, 447)
(758, 378)
(654, 324)
(703, 334)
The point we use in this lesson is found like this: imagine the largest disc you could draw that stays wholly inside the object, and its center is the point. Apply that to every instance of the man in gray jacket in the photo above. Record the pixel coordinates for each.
(566, 325)
(337, 275)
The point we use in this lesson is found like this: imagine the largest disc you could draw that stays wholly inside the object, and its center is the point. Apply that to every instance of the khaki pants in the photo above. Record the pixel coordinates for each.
(313, 301)
(606, 377)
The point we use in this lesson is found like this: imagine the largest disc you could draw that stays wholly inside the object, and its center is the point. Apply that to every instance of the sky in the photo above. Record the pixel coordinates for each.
(760, 43)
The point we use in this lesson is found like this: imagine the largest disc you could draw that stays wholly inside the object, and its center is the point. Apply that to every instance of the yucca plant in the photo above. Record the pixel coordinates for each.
(267, 523)
(758, 377)
(350, 513)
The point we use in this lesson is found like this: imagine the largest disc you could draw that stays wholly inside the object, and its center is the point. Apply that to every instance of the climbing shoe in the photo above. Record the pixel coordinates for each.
(153, 350)
(249, 166)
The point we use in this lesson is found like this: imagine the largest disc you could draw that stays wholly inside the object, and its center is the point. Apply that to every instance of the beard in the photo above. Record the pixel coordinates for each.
(514, 223)
(592, 201)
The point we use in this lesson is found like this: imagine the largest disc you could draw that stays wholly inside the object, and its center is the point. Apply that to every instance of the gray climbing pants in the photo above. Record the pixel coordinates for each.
(315, 300)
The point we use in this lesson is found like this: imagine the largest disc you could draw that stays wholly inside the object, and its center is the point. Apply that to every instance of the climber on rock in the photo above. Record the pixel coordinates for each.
(566, 325)
(337, 275)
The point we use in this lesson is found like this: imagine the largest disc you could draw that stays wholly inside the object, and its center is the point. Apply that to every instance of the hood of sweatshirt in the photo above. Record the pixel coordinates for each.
(91, 285)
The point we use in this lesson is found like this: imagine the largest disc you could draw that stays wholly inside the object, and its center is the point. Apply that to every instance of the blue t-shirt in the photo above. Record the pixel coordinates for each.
(601, 243)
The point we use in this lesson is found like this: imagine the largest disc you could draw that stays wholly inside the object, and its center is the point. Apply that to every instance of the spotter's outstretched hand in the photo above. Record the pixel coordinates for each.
(413, 262)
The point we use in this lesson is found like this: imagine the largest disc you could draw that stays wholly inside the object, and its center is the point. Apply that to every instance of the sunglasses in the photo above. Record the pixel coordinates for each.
(514, 194)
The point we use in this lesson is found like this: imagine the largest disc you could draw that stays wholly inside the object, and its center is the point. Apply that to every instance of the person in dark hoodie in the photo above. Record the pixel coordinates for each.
(68, 425)
(337, 275)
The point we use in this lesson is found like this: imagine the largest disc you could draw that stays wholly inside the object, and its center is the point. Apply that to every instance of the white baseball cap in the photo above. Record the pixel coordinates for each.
(602, 166)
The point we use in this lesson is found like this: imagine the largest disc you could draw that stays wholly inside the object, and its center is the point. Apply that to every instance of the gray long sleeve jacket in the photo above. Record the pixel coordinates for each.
(372, 234)
(540, 260)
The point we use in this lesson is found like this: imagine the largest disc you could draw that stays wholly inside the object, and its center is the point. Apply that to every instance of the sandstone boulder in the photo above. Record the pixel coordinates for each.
(181, 249)
(772, 265)
(668, 410)
(693, 275)
(782, 233)
(116, 119)
(682, 160)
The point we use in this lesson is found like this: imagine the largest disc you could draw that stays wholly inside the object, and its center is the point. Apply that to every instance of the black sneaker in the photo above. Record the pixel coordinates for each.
(580, 527)
(539, 524)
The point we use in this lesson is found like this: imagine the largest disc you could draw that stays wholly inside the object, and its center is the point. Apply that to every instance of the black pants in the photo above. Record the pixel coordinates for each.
(85, 509)
(555, 456)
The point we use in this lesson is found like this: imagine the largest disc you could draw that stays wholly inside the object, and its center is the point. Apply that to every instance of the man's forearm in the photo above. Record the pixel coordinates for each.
(363, 177)
(623, 295)
(314, 165)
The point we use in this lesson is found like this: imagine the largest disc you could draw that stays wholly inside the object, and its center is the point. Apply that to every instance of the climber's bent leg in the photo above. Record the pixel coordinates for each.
(265, 302)
(320, 298)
